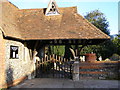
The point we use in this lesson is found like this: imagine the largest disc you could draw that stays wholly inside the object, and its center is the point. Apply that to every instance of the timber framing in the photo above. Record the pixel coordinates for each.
(71, 42)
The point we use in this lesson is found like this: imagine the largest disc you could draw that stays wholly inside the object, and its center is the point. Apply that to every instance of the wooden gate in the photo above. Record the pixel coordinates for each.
(54, 66)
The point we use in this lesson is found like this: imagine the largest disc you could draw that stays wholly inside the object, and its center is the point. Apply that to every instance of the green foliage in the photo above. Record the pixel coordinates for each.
(107, 48)
(3, 89)
(116, 42)
(115, 57)
(98, 19)
(58, 50)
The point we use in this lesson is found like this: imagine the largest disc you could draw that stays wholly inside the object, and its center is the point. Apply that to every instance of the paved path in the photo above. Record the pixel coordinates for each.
(67, 83)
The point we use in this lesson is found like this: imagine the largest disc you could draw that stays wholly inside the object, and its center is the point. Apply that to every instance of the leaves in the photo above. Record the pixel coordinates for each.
(58, 50)
(107, 48)
(98, 19)
(116, 42)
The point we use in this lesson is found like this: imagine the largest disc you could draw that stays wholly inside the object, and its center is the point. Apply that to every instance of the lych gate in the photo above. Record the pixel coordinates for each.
(25, 33)
(54, 66)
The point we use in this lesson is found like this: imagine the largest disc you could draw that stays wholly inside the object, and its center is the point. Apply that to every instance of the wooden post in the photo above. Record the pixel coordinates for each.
(76, 71)
(33, 59)
(76, 50)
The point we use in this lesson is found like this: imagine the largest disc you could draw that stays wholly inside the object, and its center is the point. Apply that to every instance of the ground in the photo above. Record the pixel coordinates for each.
(67, 83)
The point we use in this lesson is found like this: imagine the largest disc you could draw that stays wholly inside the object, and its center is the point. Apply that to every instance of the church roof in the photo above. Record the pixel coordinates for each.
(33, 24)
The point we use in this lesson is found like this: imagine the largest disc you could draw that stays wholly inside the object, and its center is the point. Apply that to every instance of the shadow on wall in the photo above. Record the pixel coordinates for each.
(10, 82)
(9, 76)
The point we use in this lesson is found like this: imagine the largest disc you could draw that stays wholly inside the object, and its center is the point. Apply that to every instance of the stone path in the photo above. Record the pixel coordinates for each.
(67, 83)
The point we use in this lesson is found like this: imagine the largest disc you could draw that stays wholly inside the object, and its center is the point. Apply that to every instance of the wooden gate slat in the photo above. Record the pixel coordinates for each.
(54, 65)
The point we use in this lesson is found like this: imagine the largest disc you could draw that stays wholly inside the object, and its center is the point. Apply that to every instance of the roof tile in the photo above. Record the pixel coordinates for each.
(30, 24)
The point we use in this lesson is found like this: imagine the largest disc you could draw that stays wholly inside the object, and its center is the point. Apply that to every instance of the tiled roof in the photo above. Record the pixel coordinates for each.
(32, 24)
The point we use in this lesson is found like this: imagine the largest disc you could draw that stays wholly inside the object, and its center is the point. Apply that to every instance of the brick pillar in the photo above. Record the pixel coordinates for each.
(2, 61)
(76, 71)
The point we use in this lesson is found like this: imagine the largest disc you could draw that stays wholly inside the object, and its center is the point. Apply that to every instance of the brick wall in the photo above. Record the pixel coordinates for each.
(2, 60)
(100, 70)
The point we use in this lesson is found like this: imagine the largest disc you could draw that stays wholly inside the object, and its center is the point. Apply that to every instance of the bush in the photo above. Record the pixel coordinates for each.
(115, 57)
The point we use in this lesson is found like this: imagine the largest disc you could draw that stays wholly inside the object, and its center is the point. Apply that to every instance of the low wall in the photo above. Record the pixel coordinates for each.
(100, 70)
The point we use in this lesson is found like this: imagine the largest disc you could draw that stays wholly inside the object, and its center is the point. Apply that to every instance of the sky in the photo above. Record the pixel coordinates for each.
(108, 7)
(119, 17)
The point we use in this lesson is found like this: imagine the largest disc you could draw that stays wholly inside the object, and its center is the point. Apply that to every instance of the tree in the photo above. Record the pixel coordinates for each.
(116, 42)
(98, 19)
(107, 48)
(56, 49)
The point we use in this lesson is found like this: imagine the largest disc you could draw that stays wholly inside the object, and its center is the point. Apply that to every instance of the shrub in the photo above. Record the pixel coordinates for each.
(115, 57)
